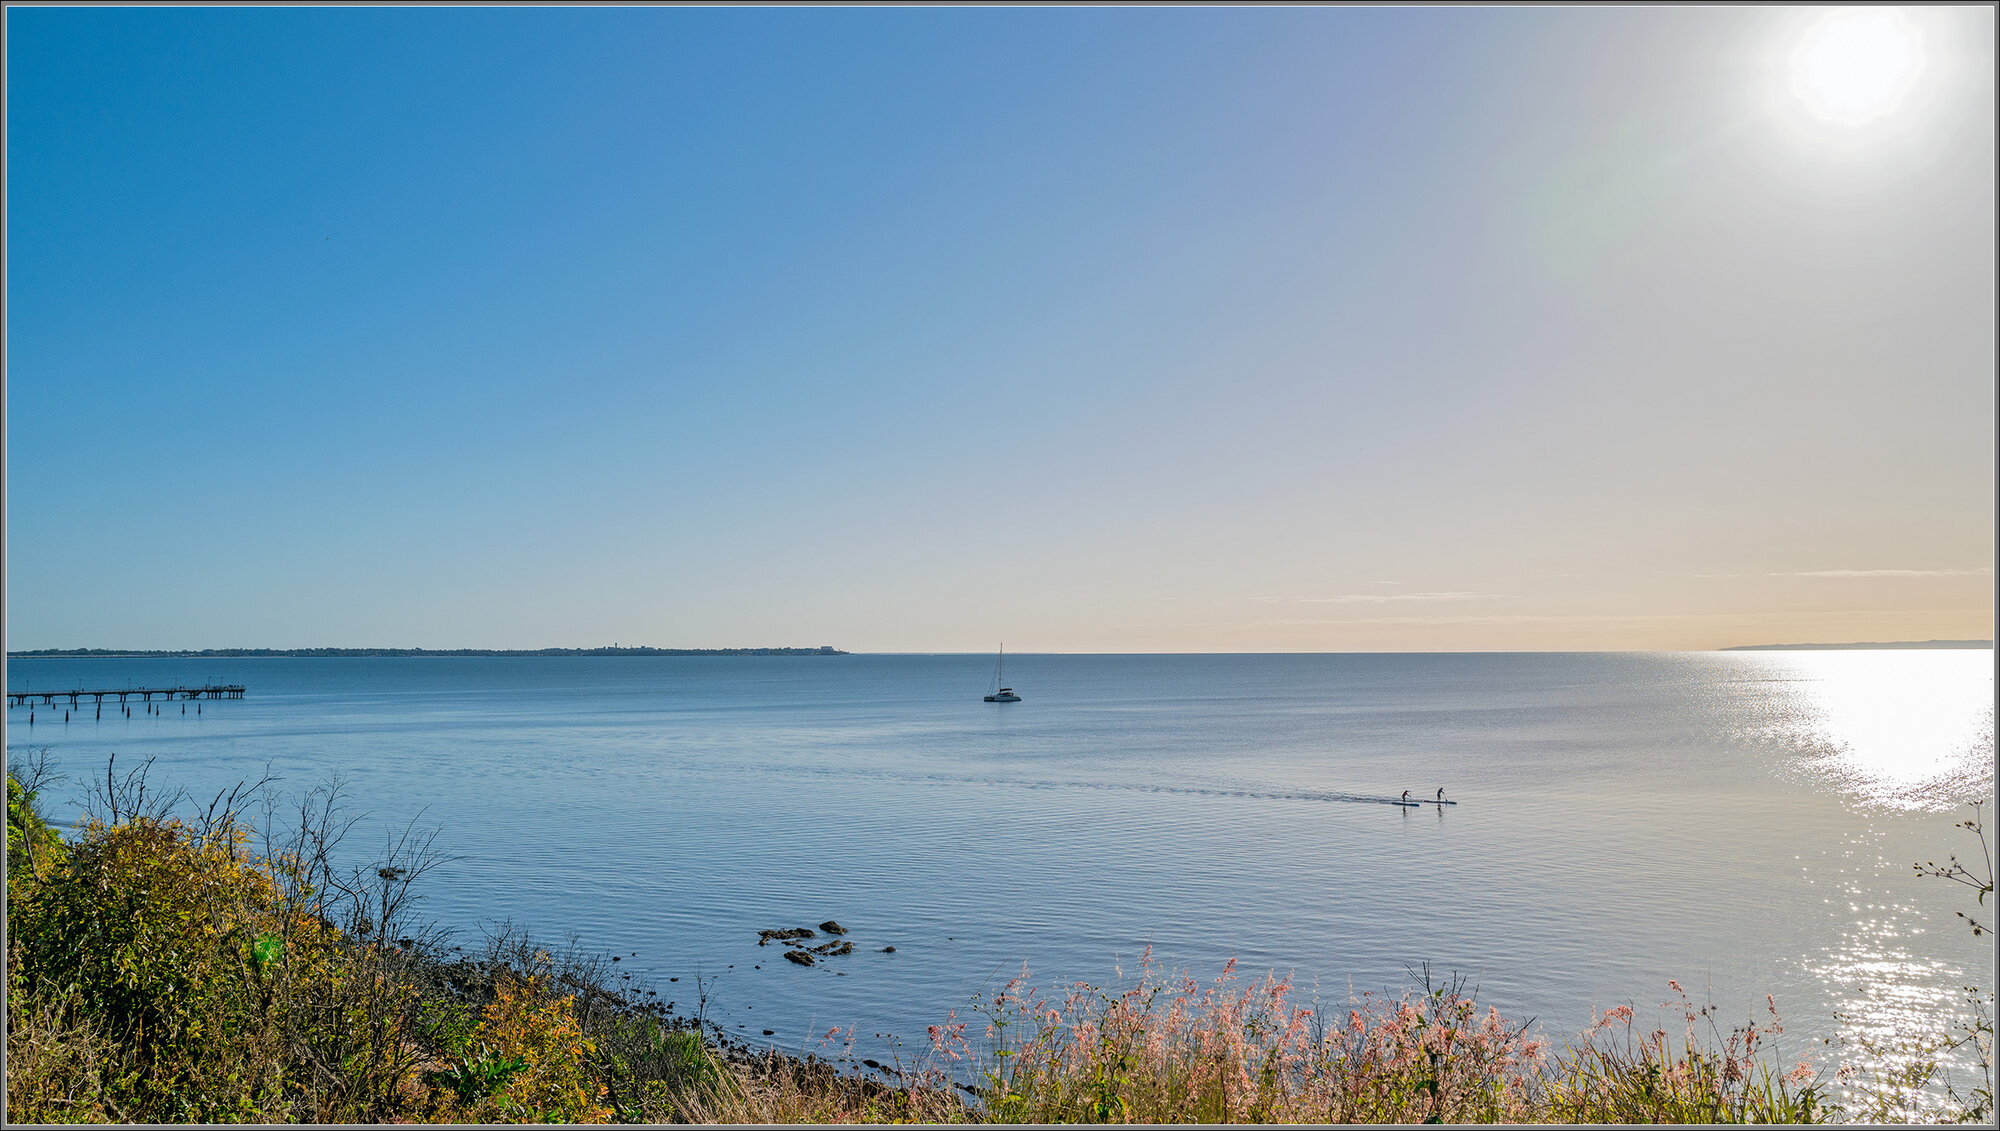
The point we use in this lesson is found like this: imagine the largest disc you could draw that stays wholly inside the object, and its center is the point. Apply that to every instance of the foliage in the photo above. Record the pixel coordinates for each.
(148, 933)
(57, 1058)
(159, 970)
(1980, 881)
(1170, 1051)
(537, 1060)
(475, 1077)
(1644, 1078)
(32, 847)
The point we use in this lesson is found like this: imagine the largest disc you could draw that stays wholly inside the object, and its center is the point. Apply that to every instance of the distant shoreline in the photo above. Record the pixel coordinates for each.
(1861, 646)
(823, 650)
(363, 653)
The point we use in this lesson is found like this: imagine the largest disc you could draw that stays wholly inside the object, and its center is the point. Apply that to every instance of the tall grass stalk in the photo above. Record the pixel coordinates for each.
(1170, 1050)
(1613, 1073)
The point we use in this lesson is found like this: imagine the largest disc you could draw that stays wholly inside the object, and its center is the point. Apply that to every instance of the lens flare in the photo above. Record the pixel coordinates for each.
(1857, 64)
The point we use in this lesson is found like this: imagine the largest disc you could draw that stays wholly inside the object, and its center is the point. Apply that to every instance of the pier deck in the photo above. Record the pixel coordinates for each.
(76, 697)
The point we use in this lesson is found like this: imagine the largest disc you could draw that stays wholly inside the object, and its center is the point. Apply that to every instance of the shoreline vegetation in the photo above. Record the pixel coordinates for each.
(170, 961)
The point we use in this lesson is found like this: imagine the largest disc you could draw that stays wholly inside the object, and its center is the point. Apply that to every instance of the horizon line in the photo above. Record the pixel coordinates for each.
(551, 651)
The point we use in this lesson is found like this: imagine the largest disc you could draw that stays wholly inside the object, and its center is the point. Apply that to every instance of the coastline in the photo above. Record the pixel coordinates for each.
(397, 653)
(1863, 646)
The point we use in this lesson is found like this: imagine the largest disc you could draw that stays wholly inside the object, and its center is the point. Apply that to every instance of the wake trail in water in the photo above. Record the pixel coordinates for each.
(1125, 787)
(1190, 790)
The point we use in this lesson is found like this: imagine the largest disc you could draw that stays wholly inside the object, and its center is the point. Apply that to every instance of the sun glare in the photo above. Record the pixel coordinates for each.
(1908, 730)
(1857, 64)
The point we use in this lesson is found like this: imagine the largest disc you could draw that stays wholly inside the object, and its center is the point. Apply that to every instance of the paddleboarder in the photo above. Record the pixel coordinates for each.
(1406, 797)
(1440, 795)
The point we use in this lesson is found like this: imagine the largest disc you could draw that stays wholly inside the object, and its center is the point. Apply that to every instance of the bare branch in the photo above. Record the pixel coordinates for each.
(127, 797)
(34, 767)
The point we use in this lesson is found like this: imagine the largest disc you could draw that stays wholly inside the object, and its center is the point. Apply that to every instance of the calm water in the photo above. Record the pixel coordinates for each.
(1742, 822)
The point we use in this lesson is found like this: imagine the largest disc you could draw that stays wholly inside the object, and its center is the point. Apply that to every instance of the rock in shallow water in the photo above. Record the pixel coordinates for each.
(800, 957)
(832, 928)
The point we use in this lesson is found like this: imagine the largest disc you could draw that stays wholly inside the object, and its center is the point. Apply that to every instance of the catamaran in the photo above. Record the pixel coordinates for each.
(1004, 694)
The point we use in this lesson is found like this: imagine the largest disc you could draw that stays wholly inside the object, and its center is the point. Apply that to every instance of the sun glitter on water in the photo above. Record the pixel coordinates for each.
(1906, 730)
(1857, 64)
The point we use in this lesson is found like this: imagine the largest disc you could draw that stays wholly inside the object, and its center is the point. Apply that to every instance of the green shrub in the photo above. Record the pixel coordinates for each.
(147, 934)
(534, 1063)
(33, 848)
(181, 978)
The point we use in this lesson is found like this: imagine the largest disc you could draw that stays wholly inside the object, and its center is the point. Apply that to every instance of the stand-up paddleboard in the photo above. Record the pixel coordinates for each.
(1434, 801)
(1407, 804)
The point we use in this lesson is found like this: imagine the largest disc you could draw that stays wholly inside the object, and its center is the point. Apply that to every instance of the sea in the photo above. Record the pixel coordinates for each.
(1739, 824)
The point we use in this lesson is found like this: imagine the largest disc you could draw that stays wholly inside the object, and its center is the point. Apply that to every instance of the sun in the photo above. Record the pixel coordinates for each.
(1856, 64)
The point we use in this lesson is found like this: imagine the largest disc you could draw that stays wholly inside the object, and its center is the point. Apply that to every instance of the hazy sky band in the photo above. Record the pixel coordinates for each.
(1086, 330)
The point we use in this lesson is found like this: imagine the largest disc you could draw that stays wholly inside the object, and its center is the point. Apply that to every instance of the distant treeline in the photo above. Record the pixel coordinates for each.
(823, 650)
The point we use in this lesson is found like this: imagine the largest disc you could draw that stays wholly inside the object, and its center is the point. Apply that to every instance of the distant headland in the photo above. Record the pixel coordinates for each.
(345, 653)
(1864, 644)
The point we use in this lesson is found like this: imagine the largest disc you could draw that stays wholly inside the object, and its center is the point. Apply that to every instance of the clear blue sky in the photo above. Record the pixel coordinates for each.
(1093, 329)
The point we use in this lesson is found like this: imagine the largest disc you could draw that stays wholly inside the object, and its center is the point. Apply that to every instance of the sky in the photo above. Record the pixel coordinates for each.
(1085, 330)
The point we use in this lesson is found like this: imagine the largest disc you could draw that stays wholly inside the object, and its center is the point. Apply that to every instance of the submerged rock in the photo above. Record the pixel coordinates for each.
(785, 935)
(842, 947)
(888, 950)
(800, 957)
(832, 928)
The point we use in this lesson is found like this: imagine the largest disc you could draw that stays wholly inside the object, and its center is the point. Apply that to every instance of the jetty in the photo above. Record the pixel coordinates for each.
(76, 697)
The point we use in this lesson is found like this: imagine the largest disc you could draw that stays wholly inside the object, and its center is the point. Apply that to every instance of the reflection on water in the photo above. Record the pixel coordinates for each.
(1907, 729)
(1901, 732)
(1900, 996)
